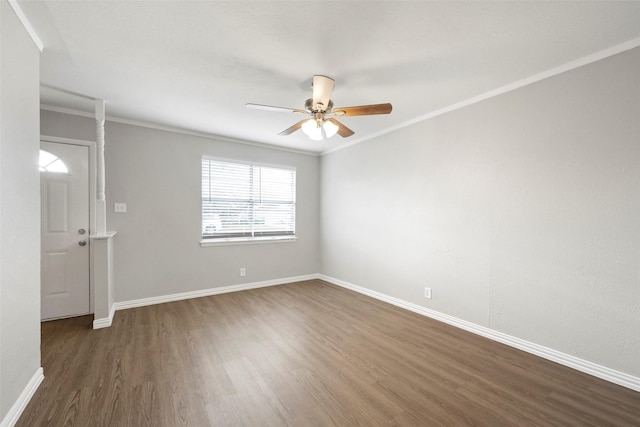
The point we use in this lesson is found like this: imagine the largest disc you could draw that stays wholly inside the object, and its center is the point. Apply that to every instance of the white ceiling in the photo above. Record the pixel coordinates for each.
(194, 64)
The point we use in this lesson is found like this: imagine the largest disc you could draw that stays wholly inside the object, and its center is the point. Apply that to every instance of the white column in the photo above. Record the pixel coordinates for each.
(101, 203)
(101, 240)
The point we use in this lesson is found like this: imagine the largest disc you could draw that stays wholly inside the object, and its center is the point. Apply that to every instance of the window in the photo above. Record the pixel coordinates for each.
(247, 202)
(50, 163)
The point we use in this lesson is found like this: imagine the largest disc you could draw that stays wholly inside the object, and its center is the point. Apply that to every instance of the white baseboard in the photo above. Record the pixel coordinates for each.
(105, 322)
(581, 365)
(123, 305)
(16, 410)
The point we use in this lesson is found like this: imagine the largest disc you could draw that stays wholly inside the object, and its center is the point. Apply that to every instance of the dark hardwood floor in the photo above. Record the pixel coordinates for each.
(303, 354)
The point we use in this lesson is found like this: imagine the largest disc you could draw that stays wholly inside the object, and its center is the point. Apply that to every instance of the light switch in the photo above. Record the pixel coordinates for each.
(120, 207)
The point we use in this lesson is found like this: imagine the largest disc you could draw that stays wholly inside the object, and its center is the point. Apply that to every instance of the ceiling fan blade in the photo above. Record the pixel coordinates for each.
(322, 87)
(293, 128)
(362, 110)
(272, 108)
(343, 131)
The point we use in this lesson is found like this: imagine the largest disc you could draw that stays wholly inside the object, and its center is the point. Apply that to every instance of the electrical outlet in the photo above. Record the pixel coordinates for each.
(120, 207)
(427, 293)
(243, 272)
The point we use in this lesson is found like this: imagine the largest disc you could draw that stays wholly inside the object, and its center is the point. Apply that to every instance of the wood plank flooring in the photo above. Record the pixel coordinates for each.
(303, 354)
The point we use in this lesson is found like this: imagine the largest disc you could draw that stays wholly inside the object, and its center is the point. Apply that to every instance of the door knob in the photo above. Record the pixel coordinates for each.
(82, 242)
(82, 231)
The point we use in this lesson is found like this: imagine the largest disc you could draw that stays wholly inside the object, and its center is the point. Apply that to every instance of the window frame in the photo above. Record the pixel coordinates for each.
(233, 239)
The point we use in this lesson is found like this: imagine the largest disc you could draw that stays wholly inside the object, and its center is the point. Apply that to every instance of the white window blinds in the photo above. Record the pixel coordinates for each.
(247, 201)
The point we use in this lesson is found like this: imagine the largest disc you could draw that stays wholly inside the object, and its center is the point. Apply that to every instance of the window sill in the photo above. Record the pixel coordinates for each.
(247, 240)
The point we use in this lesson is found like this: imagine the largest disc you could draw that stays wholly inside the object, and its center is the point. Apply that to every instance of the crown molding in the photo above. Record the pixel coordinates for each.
(597, 56)
(73, 112)
(70, 111)
(585, 60)
(26, 24)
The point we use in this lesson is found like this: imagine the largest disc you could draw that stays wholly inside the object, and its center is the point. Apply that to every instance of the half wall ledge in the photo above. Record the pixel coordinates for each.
(103, 278)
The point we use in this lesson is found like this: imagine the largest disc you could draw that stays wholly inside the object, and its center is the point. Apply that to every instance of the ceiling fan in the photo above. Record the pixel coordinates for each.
(320, 107)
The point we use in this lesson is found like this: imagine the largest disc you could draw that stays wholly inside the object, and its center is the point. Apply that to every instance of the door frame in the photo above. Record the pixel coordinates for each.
(92, 200)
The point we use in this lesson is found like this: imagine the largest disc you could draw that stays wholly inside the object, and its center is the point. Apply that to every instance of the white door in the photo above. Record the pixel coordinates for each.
(64, 189)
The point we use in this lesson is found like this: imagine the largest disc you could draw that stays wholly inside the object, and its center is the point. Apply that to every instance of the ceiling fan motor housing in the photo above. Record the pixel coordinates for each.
(319, 108)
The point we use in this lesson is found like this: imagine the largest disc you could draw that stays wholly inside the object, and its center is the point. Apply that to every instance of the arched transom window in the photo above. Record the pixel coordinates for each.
(51, 163)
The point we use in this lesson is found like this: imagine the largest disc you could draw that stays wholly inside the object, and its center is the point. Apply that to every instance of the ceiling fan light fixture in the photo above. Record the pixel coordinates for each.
(330, 128)
(312, 129)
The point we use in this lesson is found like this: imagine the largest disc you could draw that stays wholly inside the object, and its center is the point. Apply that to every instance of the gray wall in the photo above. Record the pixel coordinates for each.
(67, 126)
(19, 210)
(522, 213)
(158, 175)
